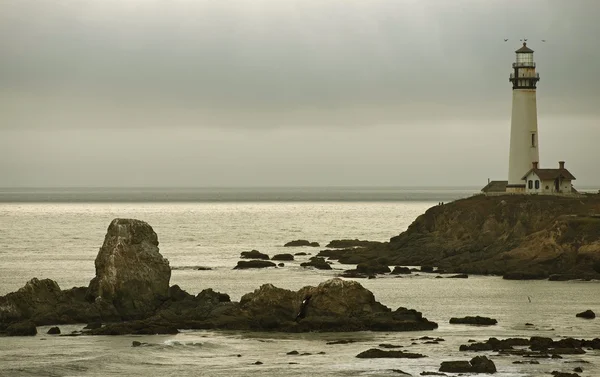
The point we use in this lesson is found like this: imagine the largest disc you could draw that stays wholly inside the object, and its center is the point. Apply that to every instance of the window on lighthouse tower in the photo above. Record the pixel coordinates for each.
(525, 59)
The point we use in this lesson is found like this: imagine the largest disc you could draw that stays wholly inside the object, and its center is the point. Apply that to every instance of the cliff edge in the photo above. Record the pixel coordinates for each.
(520, 236)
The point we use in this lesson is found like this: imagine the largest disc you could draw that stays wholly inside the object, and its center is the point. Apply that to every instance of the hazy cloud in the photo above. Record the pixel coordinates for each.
(159, 92)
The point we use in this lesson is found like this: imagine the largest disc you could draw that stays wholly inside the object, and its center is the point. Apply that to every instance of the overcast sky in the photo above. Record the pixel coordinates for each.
(289, 92)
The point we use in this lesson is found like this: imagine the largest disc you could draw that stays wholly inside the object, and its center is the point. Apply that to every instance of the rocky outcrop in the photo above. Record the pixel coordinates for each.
(283, 257)
(298, 243)
(253, 254)
(42, 302)
(478, 364)
(399, 270)
(539, 347)
(523, 236)
(345, 244)
(253, 264)
(130, 295)
(477, 320)
(318, 263)
(26, 328)
(130, 271)
(334, 305)
(375, 353)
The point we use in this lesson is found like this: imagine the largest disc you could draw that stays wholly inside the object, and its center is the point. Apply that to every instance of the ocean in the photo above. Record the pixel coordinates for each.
(56, 234)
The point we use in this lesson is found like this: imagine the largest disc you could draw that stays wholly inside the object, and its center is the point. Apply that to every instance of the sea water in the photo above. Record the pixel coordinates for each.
(46, 237)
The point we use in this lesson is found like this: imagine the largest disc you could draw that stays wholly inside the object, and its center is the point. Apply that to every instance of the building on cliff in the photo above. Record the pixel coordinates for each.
(548, 181)
(524, 175)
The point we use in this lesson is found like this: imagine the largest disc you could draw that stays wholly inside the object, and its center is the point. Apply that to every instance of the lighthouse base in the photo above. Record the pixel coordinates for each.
(515, 189)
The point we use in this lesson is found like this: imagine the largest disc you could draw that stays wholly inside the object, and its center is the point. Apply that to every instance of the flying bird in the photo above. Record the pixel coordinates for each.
(506, 39)
(543, 40)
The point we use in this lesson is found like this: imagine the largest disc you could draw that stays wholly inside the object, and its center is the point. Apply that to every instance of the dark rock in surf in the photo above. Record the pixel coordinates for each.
(401, 270)
(130, 271)
(478, 364)
(477, 320)
(298, 243)
(525, 275)
(53, 331)
(426, 269)
(346, 244)
(283, 257)
(377, 353)
(459, 276)
(253, 254)
(253, 264)
(93, 326)
(26, 328)
(588, 314)
(563, 374)
(318, 263)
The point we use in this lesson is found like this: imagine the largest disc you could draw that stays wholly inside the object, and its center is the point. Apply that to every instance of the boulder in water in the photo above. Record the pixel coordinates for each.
(588, 314)
(26, 328)
(253, 254)
(298, 243)
(253, 264)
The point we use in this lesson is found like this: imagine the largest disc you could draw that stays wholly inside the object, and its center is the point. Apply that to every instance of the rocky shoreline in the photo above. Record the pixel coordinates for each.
(515, 236)
(130, 294)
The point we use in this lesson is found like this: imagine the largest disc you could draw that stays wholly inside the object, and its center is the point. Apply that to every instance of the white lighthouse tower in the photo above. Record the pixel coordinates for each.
(524, 149)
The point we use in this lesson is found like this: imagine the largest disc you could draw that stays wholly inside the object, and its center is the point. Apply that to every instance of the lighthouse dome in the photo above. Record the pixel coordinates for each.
(524, 49)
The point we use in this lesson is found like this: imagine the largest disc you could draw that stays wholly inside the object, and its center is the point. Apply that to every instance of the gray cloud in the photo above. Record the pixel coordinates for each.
(76, 76)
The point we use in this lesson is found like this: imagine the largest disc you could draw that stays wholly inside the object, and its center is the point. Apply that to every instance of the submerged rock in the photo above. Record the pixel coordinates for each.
(347, 243)
(377, 353)
(253, 264)
(130, 271)
(298, 243)
(477, 320)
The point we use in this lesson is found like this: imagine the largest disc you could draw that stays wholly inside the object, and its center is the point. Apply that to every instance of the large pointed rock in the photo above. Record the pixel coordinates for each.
(130, 271)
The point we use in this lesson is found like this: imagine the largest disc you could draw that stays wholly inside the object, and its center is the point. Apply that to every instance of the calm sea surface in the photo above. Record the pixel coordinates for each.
(43, 235)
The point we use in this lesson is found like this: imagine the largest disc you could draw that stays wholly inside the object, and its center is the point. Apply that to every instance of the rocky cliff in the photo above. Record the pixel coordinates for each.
(527, 235)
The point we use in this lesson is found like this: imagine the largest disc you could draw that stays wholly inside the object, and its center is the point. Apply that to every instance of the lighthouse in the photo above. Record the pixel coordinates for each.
(524, 146)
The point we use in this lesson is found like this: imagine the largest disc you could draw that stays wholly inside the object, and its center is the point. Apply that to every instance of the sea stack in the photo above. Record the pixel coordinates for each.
(130, 271)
